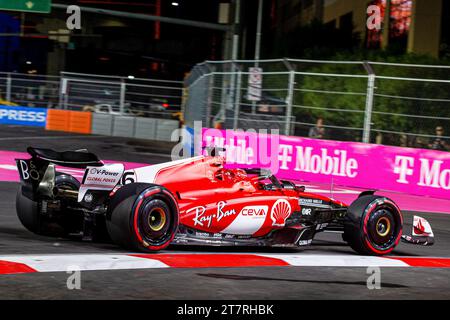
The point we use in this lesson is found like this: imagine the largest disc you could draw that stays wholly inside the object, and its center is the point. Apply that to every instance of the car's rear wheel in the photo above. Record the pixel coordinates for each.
(29, 211)
(373, 225)
(142, 217)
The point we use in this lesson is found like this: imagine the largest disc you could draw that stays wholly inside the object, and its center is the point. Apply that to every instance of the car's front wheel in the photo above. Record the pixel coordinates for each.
(142, 217)
(373, 225)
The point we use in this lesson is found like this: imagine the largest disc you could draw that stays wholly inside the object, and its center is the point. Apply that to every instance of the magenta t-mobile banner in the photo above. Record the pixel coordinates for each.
(370, 166)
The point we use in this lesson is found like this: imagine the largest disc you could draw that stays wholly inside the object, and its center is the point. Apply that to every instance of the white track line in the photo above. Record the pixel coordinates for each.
(55, 263)
(92, 262)
(337, 261)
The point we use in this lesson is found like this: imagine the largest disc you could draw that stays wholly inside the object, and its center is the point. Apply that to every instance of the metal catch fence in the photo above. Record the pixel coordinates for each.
(115, 95)
(389, 103)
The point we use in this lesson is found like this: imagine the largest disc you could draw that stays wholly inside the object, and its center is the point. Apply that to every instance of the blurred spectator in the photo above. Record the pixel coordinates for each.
(419, 142)
(317, 132)
(403, 140)
(379, 138)
(439, 142)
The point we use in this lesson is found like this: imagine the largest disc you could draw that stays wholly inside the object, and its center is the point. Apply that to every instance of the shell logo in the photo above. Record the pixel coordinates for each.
(281, 210)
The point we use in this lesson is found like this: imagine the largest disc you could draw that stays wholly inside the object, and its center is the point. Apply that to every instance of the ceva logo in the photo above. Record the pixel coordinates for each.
(432, 173)
(255, 211)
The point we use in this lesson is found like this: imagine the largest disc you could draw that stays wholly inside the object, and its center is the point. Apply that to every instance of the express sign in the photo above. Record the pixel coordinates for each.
(23, 116)
(41, 6)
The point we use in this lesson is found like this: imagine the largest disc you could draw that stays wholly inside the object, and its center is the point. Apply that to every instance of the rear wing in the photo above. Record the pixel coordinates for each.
(31, 173)
(38, 178)
(38, 173)
(73, 159)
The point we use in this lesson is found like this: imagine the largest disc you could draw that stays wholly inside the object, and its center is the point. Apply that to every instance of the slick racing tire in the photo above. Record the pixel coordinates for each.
(373, 225)
(142, 217)
(28, 211)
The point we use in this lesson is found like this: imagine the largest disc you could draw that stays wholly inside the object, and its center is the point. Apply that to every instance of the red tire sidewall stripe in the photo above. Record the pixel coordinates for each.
(156, 248)
(136, 213)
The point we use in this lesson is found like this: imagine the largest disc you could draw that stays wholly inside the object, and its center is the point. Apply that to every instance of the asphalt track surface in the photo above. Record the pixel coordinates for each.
(199, 283)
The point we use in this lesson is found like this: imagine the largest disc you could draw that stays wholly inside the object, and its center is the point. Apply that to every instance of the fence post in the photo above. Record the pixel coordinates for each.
(237, 100)
(210, 96)
(8, 87)
(231, 93)
(369, 107)
(289, 101)
(63, 87)
(123, 88)
(224, 93)
(369, 101)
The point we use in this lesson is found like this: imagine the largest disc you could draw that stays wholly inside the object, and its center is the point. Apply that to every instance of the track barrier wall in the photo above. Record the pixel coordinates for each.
(93, 104)
(90, 123)
(69, 121)
(146, 128)
(57, 120)
(24, 116)
(102, 124)
(124, 126)
(369, 166)
(80, 122)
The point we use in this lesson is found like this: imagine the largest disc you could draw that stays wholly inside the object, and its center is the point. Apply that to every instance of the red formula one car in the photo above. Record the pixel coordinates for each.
(195, 201)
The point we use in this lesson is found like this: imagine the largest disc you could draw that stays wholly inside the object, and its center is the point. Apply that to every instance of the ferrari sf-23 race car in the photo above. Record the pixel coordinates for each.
(196, 201)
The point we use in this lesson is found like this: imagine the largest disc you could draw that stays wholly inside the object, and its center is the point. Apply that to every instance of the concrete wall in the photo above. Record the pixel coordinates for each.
(165, 129)
(124, 126)
(133, 127)
(102, 124)
(146, 128)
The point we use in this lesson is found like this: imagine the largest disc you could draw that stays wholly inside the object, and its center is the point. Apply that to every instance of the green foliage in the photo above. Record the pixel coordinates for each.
(319, 41)
(391, 96)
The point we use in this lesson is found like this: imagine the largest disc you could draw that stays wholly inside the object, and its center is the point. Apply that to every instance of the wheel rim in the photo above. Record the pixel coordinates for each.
(154, 222)
(156, 219)
(383, 226)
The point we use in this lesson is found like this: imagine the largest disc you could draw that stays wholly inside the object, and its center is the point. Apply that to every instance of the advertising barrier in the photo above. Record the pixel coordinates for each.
(25, 116)
(69, 121)
(85, 122)
(57, 120)
(353, 164)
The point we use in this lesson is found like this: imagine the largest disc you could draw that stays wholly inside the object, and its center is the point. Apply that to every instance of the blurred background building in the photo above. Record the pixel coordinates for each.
(391, 82)
(108, 44)
(39, 43)
(417, 26)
